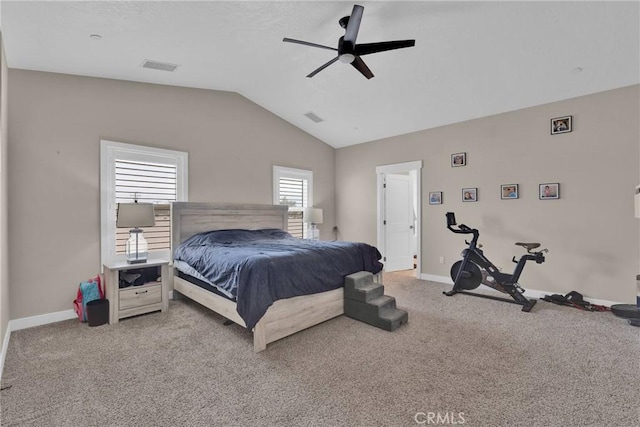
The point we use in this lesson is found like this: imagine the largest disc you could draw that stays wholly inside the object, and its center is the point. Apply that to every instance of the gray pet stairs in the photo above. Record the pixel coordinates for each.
(364, 300)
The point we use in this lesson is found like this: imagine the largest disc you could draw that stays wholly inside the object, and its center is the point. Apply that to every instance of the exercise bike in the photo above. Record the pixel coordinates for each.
(475, 269)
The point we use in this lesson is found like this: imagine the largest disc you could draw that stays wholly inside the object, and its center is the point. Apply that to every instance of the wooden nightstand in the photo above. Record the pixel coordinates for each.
(133, 300)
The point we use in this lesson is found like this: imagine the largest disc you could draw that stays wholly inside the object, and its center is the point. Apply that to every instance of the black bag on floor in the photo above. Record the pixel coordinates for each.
(573, 299)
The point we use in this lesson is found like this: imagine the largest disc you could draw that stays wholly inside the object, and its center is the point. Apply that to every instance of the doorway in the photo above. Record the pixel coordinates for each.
(399, 201)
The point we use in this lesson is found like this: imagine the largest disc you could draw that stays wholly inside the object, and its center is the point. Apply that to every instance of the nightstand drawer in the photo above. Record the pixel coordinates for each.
(135, 300)
(138, 296)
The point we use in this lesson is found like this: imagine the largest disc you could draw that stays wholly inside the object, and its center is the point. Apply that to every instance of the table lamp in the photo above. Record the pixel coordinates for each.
(313, 216)
(136, 215)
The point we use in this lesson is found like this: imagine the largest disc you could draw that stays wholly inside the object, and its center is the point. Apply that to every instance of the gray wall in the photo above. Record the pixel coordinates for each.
(56, 123)
(4, 258)
(590, 231)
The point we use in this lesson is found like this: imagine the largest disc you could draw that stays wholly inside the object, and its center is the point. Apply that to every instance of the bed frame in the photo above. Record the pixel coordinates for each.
(284, 317)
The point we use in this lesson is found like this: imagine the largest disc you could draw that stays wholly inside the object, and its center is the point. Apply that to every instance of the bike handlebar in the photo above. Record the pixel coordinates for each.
(462, 229)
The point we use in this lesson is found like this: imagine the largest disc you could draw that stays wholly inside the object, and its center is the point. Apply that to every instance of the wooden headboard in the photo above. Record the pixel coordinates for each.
(188, 218)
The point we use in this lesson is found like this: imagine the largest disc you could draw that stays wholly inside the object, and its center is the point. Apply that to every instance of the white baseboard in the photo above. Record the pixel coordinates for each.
(30, 322)
(440, 279)
(5, 346)
(529, 293)
(43, 319)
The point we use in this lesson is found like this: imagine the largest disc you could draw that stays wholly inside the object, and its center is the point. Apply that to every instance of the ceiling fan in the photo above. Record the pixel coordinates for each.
(348, 51)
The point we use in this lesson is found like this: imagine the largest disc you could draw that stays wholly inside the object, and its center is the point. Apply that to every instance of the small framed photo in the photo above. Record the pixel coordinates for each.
(435, 198)
(469, 194)
(509, 191)
(549, 191)
(458, 159)
(561, 125)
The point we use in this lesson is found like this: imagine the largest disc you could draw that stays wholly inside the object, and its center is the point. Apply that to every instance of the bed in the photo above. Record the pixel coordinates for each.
(283, 311)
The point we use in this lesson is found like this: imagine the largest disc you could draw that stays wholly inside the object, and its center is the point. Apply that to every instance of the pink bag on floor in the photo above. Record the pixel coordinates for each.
(87, 291)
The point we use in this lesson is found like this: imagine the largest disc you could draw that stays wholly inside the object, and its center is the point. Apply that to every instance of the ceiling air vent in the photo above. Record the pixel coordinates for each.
(314, 117)
(159, 65)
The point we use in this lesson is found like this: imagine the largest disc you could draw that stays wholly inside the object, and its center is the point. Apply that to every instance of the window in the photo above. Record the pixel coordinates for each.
(150, 175)
(294, 188)
(147, 183)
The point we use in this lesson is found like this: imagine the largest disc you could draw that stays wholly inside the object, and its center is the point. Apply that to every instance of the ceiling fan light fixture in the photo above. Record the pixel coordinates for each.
(347, 58)
(350, 52)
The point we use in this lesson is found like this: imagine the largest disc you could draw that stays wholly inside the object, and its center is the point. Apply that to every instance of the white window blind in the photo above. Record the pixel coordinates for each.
(293, 187)
(293, 193)
(150, 175)
(147, 183)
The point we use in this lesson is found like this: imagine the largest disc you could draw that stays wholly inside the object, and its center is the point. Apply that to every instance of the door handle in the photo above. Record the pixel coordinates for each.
(411, 227)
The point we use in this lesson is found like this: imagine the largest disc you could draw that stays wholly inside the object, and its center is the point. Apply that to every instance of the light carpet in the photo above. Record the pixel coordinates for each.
(459, 360)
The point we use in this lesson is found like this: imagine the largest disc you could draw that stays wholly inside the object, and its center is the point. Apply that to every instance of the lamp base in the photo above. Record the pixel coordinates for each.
(136, 248)
(314, 233)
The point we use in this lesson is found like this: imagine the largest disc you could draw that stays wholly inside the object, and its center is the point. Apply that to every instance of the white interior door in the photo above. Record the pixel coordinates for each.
(398, 222)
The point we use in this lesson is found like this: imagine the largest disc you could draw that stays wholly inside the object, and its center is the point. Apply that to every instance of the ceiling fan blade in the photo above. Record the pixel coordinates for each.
(288, 40)
(353, 26)
(322, 67)
(367, 48)
(359, 65)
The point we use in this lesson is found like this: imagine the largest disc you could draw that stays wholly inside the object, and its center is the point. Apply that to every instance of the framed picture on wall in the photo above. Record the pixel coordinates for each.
(435, 198)
(509, 191)
(549, 191)
(458, 159)
(469, 194)
(561, 125)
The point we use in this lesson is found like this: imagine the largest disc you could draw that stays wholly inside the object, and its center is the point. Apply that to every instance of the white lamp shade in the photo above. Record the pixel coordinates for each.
(313, 215)
(135, 215)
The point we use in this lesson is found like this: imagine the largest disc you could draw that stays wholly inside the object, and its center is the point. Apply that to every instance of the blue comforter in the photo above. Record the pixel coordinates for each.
(258, 267)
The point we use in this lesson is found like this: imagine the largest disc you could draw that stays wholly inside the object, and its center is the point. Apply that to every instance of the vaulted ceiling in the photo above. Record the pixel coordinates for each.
(471, 59)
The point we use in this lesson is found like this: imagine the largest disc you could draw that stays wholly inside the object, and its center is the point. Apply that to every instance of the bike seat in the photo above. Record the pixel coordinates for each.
(528, 246)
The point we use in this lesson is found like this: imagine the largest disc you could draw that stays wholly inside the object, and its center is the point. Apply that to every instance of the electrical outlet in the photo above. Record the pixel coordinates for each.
(441, 260)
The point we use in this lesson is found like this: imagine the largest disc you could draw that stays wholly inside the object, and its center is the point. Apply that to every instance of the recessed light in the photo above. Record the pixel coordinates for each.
(577, 69)
(95, 37)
